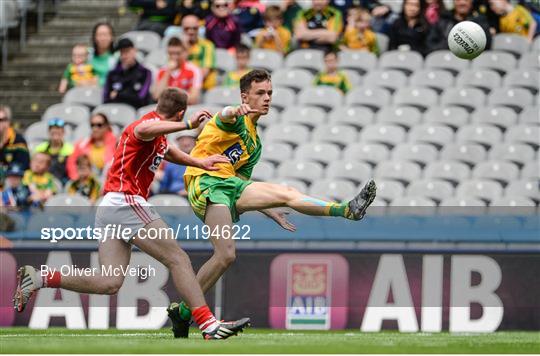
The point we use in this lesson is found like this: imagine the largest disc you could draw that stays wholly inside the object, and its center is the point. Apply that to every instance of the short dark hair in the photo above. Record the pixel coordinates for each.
(171, 101)
(330, 51)
(175, 42)
(257, 76)
(83, 160)
(243, 48)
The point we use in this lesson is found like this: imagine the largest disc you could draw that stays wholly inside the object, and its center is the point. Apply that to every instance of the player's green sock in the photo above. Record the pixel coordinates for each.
(185, 312)
(339, 209)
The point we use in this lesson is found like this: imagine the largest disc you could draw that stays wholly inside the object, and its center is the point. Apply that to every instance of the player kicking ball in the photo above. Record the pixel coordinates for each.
(219, 196)
(140, 150)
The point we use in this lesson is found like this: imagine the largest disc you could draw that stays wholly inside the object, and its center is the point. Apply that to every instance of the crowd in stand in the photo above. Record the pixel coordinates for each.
(195, 29)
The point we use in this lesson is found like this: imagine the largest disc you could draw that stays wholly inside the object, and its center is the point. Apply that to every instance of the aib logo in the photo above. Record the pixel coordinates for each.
(234, 153)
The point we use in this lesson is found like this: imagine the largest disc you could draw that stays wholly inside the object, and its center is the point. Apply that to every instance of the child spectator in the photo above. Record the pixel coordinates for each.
(514, 19)
(274, 36)
(86, 184)
(221, 26)
(39, 180)
(79, 72)
(16, 194)
(57, 149)
(358, 34)
(331, 75)
(232, 79)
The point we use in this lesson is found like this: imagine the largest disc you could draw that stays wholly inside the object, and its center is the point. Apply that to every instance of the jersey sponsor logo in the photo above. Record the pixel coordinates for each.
(156, 161)
(234, 153)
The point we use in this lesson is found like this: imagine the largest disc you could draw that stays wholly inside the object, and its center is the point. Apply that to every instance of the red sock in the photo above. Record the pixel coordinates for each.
(204, 318)
(52, 280)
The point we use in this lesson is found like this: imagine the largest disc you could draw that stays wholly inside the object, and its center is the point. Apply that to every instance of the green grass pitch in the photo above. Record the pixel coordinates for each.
(59, 340)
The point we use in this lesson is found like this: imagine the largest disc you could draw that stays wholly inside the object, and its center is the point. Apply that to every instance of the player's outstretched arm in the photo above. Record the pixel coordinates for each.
(175, 155)
(148, 130)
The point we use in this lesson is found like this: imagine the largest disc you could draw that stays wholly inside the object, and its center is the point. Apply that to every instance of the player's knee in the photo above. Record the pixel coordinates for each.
(112, 285)
(227, 256)
(175, 258)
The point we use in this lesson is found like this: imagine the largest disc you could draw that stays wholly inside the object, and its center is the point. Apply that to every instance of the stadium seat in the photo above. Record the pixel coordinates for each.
(39, 220)
(168, 200)
(283, 97)
(121, 114)
(412, 201)
(510, 42)
(89, 96)
(419, 97)
(293, 134)
(501, 117)
(265, 59)
(349, 169)
(405, 116)
(524, 187)
(530, 115)
(524, 133)
(462, 202)
(354, 78)
(400, 170)
(341, 135)
(528, 79)
(530, 61)
(519, 153)
(272, 117)
(514, 201)
(325, 97)
(369, 96)
(486, 135)
(81, 132)
(446, 60)
(437, 79)
(407, 62)
(294, 78)
(303, 170)
(145, 110)
(373, 153)
(39, 131)
(212, 109)
(68, 203)
(452, 171)
(157, 58)
(71, 113)
(484, 79)
(390, 135)
(383, 42)
(222, 96)
(359, 61)
(515, 98)
(356, 116)
(310, 59)
(264, 171)
(321, 152)
(389, 190)
(452, 116)
(535, 46)
(310, 116)
(470, 153)
(332, 189)
(501, 62)
(484, 189)
(416, 152)
(437, 135)
(468, 98)
(531, 170)
(226, 62)
(388, 79)
(435, 189)
(145, 41)
(276, 152)
(498, 170)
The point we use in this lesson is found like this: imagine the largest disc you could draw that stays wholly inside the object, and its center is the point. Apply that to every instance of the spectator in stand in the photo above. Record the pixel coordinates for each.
(290, 10)
(232, 79)
(39, 180)
(15, 195)
(463, 10)
(179, 73)
(248, 15)
(381, 15)
(318, 27)
(57, 149)
(221, 26)
(13, 148)
(172, 181)
(99, 147)
(202, 52)
(410, 30)
(358, 34)
(155, 15)
(331, 76)
(86, 184)
(78, 73)
(200, 9)
(534, 8)
(514, 19)
(129, 82)
(102, 56)
(434, 8)
(274, 36)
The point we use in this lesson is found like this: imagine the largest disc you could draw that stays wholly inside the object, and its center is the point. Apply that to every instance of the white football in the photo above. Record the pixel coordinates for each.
(467, 40)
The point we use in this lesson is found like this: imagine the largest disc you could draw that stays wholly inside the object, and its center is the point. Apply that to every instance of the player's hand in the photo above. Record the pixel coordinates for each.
(245, 109)
(209, 163)
(198, 118)
(280, 217)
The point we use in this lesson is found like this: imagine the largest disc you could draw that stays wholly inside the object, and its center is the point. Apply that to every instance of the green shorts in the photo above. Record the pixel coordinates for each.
(205, 188)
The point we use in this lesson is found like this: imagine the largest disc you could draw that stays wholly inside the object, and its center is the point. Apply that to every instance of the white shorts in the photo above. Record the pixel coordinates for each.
(124, 211)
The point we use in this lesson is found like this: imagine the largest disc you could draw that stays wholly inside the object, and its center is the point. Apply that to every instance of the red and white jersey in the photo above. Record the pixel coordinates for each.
(136, 161)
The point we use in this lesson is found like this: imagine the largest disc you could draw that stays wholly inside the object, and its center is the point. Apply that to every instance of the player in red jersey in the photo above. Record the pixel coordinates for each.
(141, 149)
